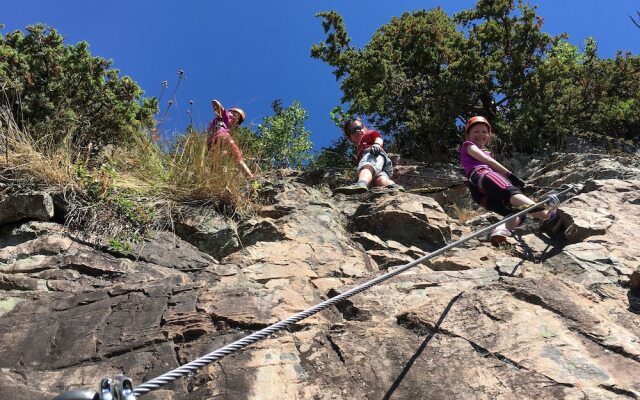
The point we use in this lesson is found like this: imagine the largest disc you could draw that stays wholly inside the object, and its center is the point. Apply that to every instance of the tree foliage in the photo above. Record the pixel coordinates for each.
(506, 46)
(340, 153)
(424, 73)
(283, 139)
(400, 79)
(63, 95)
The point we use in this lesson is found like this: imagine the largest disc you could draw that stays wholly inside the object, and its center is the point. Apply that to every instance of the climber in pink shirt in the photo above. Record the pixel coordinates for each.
(220, 133)
(493, 186)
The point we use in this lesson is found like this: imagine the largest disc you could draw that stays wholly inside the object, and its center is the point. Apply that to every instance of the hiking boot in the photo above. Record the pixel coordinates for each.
(553, 226)
(356, 188)
(499, 235)
(395, 186)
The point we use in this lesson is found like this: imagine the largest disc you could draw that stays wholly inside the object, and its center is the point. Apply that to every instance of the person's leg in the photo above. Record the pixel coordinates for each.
(551, 224)
(502, 208)
(501, 193)
(500, 187)
(497, 192)
(383, 180)
(551, 221)
(245, 169)
(513, 224)
(556, 224)
(520, 199)
(499, 235)
(365, 175)
(382, 169)
(368, 169)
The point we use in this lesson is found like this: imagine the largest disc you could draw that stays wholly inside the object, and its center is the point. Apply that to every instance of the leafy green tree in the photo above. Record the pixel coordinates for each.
(339, 154)
(614, 98)
(580, 93)
(402, 80)
(283, 139)
(420, 77)
(63, 95)
(553, 112)
(507, 45)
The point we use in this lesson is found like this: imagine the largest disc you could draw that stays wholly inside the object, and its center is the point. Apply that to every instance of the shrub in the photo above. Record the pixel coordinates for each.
(62, 95)
(283, 139)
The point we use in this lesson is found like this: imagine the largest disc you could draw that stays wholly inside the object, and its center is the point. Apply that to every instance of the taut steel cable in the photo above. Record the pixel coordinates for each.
(192, 366)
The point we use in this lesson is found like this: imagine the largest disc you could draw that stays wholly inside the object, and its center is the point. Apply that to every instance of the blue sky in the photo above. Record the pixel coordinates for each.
(246, 53)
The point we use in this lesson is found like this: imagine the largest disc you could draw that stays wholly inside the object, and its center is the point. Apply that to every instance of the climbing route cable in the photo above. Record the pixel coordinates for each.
(193, 366)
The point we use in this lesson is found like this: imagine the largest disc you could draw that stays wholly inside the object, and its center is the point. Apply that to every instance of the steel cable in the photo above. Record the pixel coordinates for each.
(192, 366)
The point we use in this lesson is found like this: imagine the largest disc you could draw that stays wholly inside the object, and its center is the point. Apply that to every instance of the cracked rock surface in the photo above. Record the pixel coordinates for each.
(539, 318)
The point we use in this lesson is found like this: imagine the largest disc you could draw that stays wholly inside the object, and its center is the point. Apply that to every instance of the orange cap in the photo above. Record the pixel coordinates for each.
(241, 113)
(476, 120)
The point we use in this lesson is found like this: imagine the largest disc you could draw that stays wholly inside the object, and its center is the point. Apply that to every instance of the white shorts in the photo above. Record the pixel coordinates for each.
(380, 163)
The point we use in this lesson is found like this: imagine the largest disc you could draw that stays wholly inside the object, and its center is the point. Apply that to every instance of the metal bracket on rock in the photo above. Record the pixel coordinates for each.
(118, 388)
(553, 200)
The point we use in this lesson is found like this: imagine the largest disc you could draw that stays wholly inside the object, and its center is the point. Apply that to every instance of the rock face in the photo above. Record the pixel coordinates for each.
(538, 319)
(18, 207)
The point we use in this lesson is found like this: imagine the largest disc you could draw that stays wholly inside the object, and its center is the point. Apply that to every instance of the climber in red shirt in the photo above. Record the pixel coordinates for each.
(374, 166)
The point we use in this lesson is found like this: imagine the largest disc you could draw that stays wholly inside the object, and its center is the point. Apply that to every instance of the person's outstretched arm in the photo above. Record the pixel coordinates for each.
(237, 154)
(245, 169)
(218, 109)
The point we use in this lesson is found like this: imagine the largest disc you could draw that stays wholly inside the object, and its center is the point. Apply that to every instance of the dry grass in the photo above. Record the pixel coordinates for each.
(195, 173)
(464, 214)
(104, 189)
(22, 159)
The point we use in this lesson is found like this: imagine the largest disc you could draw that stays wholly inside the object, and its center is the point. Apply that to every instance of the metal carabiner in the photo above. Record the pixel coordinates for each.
(553, 200)
(118, 388)
(124, 388)
(106, 389)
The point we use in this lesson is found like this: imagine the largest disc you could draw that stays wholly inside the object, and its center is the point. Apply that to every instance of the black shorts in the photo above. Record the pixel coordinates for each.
(492, 191)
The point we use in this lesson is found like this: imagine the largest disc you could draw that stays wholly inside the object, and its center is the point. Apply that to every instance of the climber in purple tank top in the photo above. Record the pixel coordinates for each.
(493, 186)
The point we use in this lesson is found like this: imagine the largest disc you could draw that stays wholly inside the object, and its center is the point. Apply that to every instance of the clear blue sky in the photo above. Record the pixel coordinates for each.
(247, 53)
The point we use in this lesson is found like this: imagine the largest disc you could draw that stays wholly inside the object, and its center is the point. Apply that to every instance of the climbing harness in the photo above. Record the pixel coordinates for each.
(193, 366)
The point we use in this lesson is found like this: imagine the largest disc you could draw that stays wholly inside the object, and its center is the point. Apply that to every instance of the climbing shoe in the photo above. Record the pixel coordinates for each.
(356, 188)
(499, 235)
(553, 226)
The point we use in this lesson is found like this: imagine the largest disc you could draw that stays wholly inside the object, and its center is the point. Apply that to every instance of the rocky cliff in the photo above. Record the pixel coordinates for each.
(537, 319)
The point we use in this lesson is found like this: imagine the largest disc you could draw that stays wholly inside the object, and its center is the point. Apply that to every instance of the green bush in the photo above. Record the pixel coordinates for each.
(62, 95)
(283, 139)
(341, 153)
(424, 73)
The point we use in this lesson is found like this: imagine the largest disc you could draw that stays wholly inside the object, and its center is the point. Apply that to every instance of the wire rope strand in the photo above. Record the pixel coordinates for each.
(193, 366)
